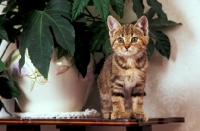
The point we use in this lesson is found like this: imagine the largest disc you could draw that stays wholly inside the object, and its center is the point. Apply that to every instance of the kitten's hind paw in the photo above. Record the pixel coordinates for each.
(140, 117)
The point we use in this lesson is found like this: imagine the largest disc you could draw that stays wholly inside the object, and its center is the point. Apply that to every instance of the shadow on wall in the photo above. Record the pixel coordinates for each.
(93, 101)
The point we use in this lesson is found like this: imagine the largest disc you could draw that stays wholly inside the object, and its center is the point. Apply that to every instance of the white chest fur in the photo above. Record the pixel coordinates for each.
(130, 61)
(131, 76)
(131, 79)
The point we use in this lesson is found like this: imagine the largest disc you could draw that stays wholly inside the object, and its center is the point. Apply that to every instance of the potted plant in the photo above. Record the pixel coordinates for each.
(45, 24)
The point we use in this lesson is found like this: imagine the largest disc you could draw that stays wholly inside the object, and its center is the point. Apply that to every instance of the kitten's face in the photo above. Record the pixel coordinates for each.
(129, 39)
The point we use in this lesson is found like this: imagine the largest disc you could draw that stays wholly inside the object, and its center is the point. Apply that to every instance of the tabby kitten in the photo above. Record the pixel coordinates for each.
(121, 81)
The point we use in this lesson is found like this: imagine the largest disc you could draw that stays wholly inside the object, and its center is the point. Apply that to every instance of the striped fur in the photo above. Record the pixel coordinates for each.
(121, 81)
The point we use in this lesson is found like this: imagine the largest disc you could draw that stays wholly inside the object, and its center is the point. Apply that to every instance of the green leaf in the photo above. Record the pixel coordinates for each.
(107, 48)
(25, 6)
(3, 19)
(82, 56)
(159, 24)
(157, 6)
(78, 8)
(90, 3)
(7, 89)
(138, 7)
(99, 39)
(2, 1)
(36, 35)
(3, 34)
(3, 106)
(163, 44)
(2, 66)
(61, 52)
(82, 52)
(152, 33)
(118, 7)
(150, 48)
(170, 24)
(12, 4)
(96, 26)
(150, 14)
(102, 7)
(13, 19)
(81, 18)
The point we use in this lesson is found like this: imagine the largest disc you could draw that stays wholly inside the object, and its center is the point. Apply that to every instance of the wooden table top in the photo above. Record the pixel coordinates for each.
(89, 121)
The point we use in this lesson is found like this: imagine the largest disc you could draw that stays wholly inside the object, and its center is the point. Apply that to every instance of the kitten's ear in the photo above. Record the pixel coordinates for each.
(142, 23)
(113, 25)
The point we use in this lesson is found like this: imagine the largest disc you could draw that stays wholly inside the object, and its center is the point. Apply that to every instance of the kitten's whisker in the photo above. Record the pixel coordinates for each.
(148, 52)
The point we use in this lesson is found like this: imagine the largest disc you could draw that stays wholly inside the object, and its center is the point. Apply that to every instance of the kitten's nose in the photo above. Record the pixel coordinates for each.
(127, 46)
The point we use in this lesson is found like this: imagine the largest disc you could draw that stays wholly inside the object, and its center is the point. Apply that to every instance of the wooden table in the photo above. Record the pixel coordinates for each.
(17, 124)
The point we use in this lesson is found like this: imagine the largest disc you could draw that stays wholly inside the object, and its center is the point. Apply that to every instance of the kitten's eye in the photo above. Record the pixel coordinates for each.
(120, 40)
(134, 39)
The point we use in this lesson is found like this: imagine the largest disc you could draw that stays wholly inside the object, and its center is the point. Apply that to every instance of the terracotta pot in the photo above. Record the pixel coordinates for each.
(65, 90)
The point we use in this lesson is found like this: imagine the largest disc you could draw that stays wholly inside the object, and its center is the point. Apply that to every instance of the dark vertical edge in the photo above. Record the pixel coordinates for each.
(23, 128)
(17, 109)
(139, 128)
(71, 128)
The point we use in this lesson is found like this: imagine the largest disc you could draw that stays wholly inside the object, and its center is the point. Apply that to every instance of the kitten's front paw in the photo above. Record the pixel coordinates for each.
(106, 115)
(140, 116)
(118, 115)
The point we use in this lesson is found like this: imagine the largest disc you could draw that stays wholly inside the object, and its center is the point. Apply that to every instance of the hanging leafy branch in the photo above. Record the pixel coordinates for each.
(35, 25)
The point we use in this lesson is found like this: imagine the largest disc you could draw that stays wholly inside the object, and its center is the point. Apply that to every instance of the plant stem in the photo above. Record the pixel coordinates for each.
(90, 20)
(97, 17)
(93, 17)
(90, 15)
(5, 50)
(18, 30)
(3, 106)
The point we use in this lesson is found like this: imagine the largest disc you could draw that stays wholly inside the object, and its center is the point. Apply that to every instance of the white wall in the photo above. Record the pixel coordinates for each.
(172, 85)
